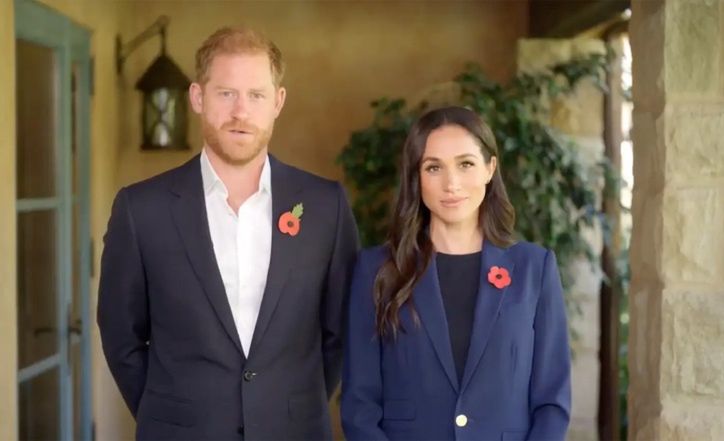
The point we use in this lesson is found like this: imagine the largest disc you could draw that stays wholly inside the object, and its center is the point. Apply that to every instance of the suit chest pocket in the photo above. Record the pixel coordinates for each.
(520, 310)
(307, 278)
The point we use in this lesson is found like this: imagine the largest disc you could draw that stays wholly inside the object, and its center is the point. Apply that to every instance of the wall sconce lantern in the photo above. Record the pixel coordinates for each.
(164, 87)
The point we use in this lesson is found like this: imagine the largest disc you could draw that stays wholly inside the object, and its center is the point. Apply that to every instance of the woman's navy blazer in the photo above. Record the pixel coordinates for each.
(516, 381)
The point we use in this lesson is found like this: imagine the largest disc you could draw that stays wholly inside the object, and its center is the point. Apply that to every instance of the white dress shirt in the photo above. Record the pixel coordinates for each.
(242, 245)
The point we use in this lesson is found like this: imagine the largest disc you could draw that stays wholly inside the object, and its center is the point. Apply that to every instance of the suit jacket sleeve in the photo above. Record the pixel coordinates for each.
(550, 387)
(339, 275)
(123, 305)
(362, 379)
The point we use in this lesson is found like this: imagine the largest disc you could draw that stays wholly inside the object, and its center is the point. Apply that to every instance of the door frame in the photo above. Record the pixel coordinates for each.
(70, 42)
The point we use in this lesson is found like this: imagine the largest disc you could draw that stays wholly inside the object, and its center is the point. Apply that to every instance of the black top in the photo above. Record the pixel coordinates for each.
(459, 277)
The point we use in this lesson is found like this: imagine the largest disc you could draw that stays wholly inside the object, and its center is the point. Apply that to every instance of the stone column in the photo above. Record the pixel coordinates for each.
(580, 118)
(676, 342)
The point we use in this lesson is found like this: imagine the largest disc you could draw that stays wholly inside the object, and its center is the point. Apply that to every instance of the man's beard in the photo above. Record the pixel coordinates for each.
(236, 153)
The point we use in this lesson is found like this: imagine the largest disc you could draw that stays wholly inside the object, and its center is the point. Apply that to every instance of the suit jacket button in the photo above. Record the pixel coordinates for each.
(461, 420)
(249, 375)
(240, 430)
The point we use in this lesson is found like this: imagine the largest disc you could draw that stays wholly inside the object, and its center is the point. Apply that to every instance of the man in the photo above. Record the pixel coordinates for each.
(223, 281)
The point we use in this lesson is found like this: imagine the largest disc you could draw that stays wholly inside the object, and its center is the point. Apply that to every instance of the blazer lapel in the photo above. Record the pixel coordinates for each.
(428, 302)
(284, 197)
(189, 214)
(486, 308)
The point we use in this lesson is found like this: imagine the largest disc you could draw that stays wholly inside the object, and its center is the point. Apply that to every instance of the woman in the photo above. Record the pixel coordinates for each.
(455, 332)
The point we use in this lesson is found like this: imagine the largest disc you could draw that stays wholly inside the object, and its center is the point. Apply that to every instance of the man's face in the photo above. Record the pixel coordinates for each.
(238, 106)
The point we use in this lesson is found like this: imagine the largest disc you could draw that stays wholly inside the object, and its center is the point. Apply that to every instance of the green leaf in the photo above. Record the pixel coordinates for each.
(552, 189)
(298, 210)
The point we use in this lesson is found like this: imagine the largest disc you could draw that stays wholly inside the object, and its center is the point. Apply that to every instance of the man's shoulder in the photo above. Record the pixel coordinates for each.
(164, 181)
(302, 178)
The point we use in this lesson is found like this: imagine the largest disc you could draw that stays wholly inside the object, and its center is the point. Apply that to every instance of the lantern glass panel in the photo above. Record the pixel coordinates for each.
(164, 119)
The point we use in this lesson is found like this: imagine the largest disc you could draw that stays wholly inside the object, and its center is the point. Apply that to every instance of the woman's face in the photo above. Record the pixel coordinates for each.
(453, 175)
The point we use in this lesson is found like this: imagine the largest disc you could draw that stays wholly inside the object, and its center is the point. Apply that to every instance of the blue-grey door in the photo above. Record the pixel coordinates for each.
(53, 240)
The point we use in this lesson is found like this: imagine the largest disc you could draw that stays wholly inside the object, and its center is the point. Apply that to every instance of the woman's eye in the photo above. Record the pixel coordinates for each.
(466, 164)
(432, 168)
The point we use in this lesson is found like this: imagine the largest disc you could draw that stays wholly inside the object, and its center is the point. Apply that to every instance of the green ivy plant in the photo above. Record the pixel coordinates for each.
(553, 192)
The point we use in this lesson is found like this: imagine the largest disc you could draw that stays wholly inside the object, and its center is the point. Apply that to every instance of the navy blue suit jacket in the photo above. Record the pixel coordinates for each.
(168, 332)
(516, 382)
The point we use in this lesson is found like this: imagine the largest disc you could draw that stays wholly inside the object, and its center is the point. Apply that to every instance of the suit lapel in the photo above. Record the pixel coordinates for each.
(189, 215)
(285, 194)
(428, 302)
(486, 308)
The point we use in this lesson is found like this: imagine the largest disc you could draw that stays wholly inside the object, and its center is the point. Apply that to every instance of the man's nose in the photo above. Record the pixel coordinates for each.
(241, 108)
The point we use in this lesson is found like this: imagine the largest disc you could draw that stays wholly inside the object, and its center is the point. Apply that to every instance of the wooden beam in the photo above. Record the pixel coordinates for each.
(568, 18)
(608, 405)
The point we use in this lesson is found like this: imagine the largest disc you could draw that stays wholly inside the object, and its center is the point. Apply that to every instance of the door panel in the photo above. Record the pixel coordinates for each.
(38, 413)
(37, 287)
(54, 321)
(36, 69)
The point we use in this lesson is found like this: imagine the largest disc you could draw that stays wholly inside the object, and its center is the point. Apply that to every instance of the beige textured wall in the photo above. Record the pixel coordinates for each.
(580, 118)
(676, 338)
(340, 55)
(8, 311)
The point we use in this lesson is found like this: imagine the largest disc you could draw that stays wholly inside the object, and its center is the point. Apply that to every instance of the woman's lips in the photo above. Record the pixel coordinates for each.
(452, 202)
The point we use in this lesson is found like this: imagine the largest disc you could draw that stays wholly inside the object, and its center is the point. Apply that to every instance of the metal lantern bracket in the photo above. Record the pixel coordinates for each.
(163, 86)
(124, 50)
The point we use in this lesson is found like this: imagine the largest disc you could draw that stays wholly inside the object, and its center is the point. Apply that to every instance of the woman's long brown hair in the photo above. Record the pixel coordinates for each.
(408, 241)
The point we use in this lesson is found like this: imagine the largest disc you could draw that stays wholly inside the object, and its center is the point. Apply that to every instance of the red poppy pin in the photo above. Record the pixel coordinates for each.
(290, 221)
(499, 277)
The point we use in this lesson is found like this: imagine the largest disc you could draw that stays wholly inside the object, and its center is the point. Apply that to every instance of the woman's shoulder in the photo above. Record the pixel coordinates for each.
(373, 256)
(524, 251)
(369, 262)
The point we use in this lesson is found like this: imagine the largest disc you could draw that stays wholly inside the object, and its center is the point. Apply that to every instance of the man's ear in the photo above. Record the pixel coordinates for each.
(196, 97)
(279, 99)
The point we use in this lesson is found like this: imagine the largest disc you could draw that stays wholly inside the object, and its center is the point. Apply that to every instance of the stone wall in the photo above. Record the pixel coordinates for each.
(580, 117)
(676, 342)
